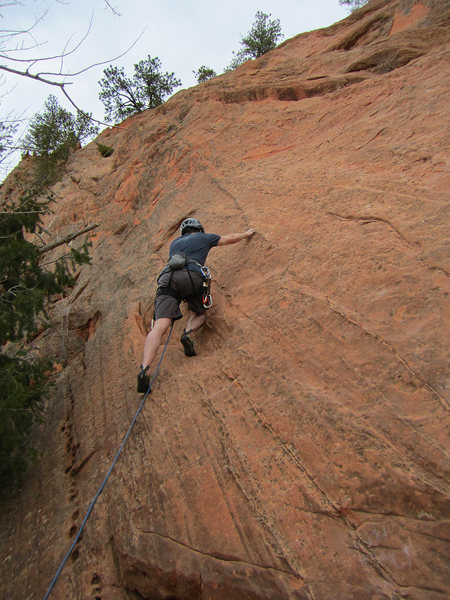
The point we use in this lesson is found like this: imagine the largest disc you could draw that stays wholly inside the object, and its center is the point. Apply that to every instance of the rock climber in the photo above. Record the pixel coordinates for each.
(182, 280)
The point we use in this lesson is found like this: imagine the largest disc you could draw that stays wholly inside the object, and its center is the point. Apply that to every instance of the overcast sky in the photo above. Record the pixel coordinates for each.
(183, 34)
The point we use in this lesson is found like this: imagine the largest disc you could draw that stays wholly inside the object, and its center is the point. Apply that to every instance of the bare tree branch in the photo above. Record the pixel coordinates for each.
(63, 54)
(15, 44)
(91, 117)
(38, 76)
(103, 62)
(32, 76)
(113, 10)
(67, 239)
(7, 34)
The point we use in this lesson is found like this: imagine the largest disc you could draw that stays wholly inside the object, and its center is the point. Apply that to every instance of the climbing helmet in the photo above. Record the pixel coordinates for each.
(193, 223)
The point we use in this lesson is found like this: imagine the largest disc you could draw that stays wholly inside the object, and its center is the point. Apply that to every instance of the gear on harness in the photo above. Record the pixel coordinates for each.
(177, 261)
(207, 298)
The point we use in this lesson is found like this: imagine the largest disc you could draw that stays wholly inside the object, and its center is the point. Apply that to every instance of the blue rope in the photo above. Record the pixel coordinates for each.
(100, 489)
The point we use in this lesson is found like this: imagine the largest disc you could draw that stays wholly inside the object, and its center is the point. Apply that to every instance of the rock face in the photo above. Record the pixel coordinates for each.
(303, 453)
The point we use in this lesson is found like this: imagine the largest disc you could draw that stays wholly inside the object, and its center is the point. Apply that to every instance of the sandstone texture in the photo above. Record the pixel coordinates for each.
(303, 454)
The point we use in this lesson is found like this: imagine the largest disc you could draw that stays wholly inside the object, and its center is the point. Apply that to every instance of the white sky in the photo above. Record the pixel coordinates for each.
(183, 34)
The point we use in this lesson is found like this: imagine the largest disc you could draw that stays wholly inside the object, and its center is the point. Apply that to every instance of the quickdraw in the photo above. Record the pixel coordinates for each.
(207, 298)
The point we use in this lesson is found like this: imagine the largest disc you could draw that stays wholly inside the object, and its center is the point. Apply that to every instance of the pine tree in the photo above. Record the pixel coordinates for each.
(262, 37)
(124, 96)
(353, 4)
(25, 286)
(204, 73)
(53, 134)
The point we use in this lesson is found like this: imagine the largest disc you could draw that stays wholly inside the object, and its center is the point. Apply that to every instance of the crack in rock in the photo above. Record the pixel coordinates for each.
(219, 556)
(372, 219)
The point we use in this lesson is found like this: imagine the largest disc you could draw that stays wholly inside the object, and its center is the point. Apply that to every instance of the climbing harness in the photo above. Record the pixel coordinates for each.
(177, 263)
(100, 489)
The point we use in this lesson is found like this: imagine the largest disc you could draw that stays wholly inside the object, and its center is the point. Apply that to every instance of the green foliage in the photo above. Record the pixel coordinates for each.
(204, 73)
(261, 38)
(25, 285)
(353, 4)
(53, 135)
(22, 385)
(124, 96)
(7, 132)
(105, 151)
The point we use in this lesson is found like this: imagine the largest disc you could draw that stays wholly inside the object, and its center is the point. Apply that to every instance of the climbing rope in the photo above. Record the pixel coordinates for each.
(100, 489)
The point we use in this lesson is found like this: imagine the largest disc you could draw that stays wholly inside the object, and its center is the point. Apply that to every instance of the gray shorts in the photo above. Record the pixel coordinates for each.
(168, 307)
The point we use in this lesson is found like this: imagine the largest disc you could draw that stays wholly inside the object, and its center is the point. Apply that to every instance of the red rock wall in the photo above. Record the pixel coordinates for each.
(303, 454)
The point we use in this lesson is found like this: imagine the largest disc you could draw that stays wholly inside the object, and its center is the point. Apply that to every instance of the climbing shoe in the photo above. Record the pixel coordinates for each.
(188, 343)
(143, 381)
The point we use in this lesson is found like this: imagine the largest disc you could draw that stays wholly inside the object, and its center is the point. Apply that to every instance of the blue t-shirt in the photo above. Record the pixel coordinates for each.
(196, 246)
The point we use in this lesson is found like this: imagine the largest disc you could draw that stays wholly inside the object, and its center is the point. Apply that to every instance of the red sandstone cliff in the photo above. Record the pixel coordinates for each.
(303, 453)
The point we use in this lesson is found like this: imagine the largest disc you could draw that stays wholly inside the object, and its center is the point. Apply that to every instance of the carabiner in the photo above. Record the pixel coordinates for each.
(207, 301)
(206, 273)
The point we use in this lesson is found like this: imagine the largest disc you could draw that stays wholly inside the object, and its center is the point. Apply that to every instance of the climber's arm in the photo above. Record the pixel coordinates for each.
(233, 238)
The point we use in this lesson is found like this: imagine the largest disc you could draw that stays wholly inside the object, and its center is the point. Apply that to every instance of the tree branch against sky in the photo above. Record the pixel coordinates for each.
(27, 66)
(22, 56)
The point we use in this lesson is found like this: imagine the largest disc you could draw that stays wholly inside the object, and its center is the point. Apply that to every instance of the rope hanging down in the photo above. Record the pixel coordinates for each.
(100, 489)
